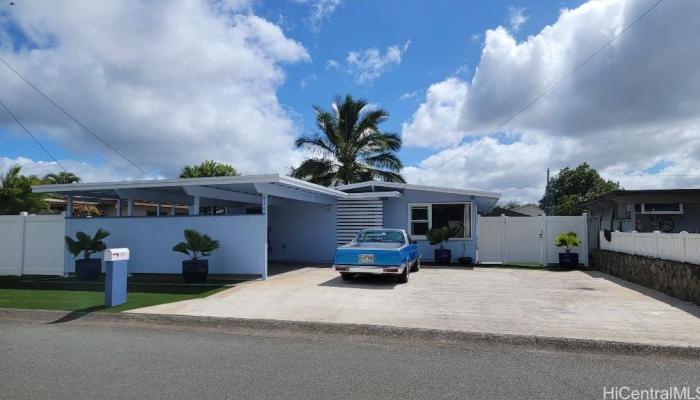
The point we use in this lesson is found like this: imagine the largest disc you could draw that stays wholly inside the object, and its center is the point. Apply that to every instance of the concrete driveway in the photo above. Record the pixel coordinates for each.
(576, 304)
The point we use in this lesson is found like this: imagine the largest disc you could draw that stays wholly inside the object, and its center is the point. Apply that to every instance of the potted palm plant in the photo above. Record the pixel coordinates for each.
(87, 268)
(195, 246)
(440, 236)
(567, 240)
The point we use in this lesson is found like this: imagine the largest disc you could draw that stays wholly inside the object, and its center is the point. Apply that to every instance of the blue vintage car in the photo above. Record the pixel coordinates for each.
(378, 251)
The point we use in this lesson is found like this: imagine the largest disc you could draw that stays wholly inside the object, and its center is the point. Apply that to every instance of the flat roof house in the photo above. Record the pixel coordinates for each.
(258, 218)
(664, 210)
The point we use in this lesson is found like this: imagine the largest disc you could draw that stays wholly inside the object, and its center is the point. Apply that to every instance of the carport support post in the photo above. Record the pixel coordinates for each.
(69, 206)
(264, 212)
(194, 208)
(130, 207)
(119, 207)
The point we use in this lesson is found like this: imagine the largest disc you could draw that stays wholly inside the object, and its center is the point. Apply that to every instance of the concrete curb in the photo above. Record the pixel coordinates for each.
(341, 331)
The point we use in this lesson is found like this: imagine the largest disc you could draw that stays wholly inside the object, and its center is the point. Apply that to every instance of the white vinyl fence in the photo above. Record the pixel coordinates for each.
(31, 245)
(528, 239)
(683, 247)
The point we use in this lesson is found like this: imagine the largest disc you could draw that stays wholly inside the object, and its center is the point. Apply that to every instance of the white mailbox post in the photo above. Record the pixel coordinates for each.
(116, 271)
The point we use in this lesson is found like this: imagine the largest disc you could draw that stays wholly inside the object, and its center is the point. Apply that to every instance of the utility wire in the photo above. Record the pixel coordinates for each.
(568, 74)
(67, 114)
(32, 136)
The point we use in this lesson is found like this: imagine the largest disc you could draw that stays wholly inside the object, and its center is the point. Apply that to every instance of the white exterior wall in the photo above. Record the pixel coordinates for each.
(151, 239)
(302, 232)
(31, 245)
(683, 247)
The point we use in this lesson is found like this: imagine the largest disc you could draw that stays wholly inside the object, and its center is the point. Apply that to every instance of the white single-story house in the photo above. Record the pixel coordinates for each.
(261, 218)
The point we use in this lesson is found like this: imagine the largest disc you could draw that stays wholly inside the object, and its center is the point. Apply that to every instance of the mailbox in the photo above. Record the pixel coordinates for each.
(115, 279)
(116, 254)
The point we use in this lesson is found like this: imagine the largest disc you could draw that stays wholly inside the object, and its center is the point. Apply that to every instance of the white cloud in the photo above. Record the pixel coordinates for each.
(516, 18)
(87, 172)
(630, 108)
(332, 64)
(167, 83)
(409, 95)
(369, 64)
(436, 122)
(321, 10)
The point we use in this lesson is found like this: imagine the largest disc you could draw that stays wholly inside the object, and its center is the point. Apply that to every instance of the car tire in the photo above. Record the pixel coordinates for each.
(403, 278)
(346, 276)
(416, 265)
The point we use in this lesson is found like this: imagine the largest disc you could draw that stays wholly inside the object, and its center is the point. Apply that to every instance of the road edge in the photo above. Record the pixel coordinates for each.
(341, 331)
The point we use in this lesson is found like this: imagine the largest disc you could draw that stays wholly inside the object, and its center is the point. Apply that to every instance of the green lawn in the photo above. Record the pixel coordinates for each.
(71, 295)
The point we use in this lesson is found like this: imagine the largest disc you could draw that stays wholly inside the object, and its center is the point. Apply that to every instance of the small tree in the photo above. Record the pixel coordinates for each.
(442, 235)
(196, 245)
(567, 240)
(86, 244)
(208, 168)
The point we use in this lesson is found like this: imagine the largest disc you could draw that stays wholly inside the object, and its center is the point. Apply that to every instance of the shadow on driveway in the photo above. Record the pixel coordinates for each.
(376, 282)
(688, 307)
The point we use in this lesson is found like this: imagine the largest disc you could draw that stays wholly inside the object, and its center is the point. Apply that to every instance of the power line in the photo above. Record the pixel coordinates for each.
(32, 136)
(568, 74)
(67, 114)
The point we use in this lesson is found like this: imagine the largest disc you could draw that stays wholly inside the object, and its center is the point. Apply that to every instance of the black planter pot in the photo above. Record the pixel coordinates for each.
(88, 269)
(443, 256)
(465, 260)
(568, 260)
(194, 271)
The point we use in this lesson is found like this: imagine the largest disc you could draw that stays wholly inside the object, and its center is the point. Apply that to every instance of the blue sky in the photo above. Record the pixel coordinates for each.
(173, 83)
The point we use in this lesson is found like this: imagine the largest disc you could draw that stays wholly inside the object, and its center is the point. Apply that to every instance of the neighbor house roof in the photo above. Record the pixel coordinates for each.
(393, 185)
(647, 192)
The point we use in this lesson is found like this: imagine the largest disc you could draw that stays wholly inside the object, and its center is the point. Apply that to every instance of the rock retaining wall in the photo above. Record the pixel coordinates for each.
(680, 280)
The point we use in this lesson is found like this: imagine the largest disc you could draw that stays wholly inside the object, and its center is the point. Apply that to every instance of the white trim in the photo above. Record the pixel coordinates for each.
(395, 185)
(467, 213)
(678, 212)
(218, 180)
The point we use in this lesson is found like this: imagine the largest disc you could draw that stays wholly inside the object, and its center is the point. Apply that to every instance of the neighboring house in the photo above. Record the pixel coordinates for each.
(664, 210)
(498, 211)
(530, 209)
(273, 217)
(108, 207)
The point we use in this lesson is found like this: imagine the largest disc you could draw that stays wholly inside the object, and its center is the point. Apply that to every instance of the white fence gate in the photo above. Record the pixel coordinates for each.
(504, 240)
(32, 245)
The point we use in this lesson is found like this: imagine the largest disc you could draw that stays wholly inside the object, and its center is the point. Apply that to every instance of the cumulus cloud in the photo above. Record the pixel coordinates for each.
(516, 18)
(167, 83)
(630, 108)
(86, 171)
(438, 116)
(321, 10)
(369, 64)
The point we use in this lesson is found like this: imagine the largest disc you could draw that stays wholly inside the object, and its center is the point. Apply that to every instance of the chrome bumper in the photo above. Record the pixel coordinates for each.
(370, 269)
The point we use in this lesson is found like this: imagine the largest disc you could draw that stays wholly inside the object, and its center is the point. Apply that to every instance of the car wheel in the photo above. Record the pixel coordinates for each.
(346, 276)
(403, 278)
(416, 265)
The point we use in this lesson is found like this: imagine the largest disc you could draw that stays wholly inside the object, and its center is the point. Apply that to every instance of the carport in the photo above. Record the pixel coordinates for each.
(255, 218)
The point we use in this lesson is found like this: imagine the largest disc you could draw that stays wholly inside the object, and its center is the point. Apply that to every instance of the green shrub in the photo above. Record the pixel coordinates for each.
(442, 235)
(196, 245)
(567, 240)
(86, 244)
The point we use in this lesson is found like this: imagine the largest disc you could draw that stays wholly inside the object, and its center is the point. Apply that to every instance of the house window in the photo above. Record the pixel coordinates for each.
(661, 208)
(423, 217)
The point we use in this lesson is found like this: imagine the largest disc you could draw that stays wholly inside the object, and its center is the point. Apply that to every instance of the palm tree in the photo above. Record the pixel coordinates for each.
(61, 178)
(16, 193)
(350, 146)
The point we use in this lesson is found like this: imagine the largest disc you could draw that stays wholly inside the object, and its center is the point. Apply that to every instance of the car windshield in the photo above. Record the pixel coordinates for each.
(380, 237)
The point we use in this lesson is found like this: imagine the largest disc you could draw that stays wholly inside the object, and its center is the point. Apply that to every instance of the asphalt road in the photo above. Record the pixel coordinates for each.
(66, 361)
